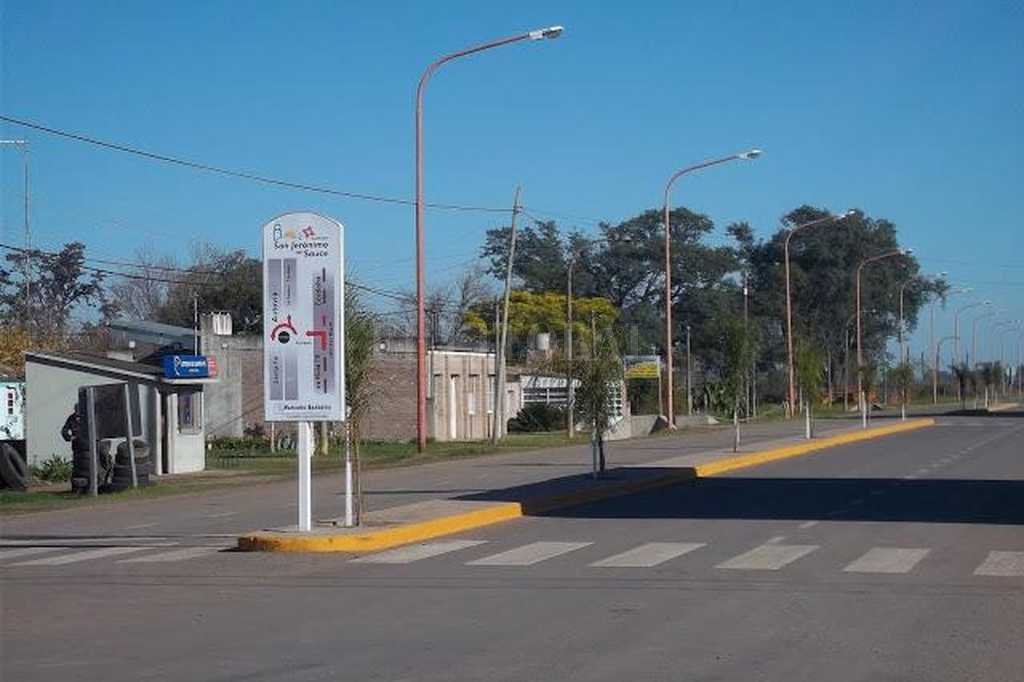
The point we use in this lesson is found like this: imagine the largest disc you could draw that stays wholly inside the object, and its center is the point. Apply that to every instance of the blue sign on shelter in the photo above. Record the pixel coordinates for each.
(189, 366)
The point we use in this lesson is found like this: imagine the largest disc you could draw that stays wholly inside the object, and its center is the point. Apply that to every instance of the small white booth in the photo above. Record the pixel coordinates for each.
(171, 407)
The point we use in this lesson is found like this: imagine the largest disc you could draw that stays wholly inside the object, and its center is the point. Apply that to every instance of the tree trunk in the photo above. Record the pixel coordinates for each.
(736, 427)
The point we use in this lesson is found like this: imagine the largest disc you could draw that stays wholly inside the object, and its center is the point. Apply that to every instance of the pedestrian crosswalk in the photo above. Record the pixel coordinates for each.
(530, 554)
(649, 554)
(887, 560)
(771, 555)
(70, 551)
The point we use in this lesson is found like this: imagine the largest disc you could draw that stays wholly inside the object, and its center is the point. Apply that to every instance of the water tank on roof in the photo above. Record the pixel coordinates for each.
(221, 324)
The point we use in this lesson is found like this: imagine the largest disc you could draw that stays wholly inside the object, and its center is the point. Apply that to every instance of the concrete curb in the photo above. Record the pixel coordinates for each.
(373, 540)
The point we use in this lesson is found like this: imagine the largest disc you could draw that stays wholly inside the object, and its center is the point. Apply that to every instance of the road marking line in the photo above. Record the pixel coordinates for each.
(25, 551)
(75, 557)
(767, 557)
(183, 554)
(808, 524)
(530, 554)
(65, 542)
(140, 525)
(775, 540)
(406, 555)
(649, 554)
(887, 560)
(221, 515)
(1002, 564)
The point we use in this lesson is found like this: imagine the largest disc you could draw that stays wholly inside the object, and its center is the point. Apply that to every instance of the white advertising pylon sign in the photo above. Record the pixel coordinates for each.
(303, 331)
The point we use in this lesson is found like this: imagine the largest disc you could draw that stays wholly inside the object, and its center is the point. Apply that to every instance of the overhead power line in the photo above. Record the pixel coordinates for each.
(244, 175)
(386, 293)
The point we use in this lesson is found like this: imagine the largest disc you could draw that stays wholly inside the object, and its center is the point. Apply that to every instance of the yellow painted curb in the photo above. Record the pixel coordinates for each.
(808, 447)
(403, 534)
(376, 540)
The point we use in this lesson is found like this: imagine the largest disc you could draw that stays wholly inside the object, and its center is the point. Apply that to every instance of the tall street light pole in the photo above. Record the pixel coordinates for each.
(956, 326)
(421, 350)
(860, 336)
(974, 334)
(27, 263)
(931, 335)
(742, 156)
(903, 325)
(791, 373)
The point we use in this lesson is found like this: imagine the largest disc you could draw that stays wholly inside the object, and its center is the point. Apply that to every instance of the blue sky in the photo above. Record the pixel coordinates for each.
(910, 111)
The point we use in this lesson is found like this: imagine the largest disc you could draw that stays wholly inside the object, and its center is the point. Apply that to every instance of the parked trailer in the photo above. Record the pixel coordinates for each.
(14, 472)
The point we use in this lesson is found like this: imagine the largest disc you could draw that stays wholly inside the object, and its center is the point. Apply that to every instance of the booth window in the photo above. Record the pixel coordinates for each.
(190, 411)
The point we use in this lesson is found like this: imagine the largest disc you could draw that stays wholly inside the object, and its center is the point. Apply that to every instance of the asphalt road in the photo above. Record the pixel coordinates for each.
(225, 513)
(895, 559)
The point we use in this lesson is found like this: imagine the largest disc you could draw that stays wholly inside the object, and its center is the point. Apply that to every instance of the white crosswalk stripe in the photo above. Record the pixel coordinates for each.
(999, 563)
(183, 554)
(75, 557)
(530, 554)
(767, 557)
(407, 555)
(25, 551)
(650, 554)
(887, 560)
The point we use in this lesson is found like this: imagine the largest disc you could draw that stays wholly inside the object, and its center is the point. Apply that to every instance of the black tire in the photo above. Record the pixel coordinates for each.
(13, 470)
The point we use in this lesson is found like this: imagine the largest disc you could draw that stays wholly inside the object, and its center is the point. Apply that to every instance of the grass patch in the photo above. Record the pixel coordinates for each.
(244, 462)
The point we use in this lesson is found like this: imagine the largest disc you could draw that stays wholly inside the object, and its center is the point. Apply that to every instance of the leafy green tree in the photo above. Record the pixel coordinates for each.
(600, 373)
(809, 361)
(823, 262)
(963, 375)
(228, 281)
(59, 284)
(738, 351)
(903, 376)
(540, 263)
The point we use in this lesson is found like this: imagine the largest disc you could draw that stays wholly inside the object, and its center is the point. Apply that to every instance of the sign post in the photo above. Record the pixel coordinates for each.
(303, 333)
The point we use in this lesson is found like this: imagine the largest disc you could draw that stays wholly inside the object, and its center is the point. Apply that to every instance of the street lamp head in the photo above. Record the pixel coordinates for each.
(549, 32)
(906, 252)
(750, 154)
(846, 214)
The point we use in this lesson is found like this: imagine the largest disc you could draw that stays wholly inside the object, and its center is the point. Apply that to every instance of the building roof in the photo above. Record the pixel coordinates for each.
(153, 332)
(99, 364)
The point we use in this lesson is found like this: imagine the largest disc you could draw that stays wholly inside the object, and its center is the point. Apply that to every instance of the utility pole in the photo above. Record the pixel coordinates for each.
(195, 322)
(569, 389)
(495, 416)
(689, 375)
(27, 262)
(503, 346)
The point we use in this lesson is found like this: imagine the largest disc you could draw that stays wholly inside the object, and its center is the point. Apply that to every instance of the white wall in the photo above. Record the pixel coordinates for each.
(50, 396)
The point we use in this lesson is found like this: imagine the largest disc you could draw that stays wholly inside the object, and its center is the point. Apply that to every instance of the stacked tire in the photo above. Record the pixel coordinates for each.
(13, 470)
(122, 478)
(80, 465)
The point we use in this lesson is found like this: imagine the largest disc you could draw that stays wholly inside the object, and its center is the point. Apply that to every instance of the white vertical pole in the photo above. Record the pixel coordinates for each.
(305, 453)
(349, 517)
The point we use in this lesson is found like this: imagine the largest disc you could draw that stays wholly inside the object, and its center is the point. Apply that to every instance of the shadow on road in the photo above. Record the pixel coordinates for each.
(837, 499)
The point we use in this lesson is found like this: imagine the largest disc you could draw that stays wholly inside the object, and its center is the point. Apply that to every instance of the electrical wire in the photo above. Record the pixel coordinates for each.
(244, 175)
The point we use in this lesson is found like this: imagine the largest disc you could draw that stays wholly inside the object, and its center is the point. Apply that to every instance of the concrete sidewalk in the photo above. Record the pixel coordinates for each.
(639, 468)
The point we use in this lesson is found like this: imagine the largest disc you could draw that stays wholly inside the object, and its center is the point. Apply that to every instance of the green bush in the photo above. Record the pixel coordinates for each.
(537, 417)
(53, 470)
(237, 444)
